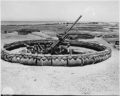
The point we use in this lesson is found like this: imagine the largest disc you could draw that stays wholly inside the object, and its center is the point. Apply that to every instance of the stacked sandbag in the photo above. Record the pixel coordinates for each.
(102, 54)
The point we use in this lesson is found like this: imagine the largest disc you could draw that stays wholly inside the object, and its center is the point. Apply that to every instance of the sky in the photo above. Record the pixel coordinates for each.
(106, 11)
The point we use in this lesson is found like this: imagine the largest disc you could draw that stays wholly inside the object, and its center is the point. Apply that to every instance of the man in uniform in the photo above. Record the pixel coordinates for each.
(64, 49)
(29, 48)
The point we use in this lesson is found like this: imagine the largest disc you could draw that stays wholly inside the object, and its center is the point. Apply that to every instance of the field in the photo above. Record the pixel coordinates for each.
(98, 79)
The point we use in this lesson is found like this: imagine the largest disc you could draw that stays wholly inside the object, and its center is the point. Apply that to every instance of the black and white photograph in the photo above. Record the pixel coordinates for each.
(64, 47)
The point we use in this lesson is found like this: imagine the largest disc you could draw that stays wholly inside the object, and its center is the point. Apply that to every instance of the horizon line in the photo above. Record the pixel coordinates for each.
(51, 21)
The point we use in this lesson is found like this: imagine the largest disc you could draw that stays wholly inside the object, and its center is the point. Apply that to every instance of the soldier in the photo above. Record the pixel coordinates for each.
(29, 48)
(69, 51)
(36, 48)
(68, 48)
(40, 48)
(33, 49)
(64, 49)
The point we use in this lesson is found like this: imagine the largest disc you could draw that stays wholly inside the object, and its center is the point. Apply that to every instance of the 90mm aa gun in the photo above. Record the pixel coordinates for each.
(55, 45)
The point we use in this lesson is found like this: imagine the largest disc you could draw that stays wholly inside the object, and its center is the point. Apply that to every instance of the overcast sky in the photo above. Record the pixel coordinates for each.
(60, 10)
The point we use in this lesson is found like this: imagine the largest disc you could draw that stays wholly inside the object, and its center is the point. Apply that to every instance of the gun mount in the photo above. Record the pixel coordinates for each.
(55, 45)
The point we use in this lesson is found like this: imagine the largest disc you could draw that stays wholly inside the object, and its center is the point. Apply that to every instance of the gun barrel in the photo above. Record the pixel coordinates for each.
(56, 44)
(73, 24)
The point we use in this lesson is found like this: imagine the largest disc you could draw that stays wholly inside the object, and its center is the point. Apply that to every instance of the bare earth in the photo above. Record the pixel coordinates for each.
(97, 79)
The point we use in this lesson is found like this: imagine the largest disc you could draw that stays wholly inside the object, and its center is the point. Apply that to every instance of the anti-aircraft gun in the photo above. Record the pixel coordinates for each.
(52, 48)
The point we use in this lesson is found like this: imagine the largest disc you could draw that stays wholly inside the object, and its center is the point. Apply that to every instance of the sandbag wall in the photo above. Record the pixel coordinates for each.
(78, 35)
(102, 54)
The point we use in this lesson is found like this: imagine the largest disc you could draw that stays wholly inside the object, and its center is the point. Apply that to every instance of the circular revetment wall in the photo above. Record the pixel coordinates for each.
(102, 54)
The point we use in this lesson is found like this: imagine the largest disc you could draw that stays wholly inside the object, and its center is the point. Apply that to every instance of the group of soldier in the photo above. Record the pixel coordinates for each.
(40, 49)
(35, 49)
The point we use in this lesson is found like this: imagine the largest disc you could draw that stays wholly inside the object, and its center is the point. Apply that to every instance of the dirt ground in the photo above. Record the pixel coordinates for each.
(98, 79)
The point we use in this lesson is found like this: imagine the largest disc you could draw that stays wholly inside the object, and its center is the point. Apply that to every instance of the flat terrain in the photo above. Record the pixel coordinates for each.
(98, 79)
